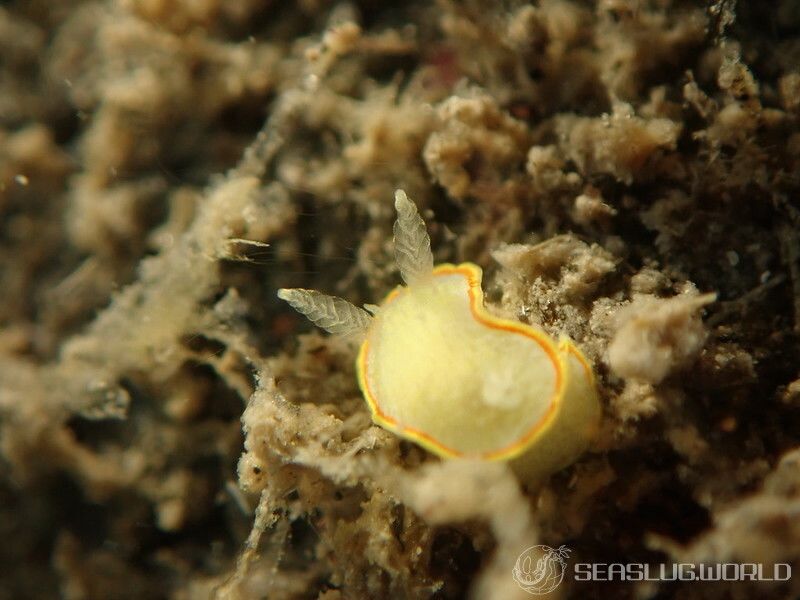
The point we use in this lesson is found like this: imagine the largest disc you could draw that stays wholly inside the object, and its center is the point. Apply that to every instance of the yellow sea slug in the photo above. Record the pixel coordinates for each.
(435, 367)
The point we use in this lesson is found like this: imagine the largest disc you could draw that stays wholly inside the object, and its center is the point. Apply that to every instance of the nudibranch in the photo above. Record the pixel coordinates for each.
(437, 368)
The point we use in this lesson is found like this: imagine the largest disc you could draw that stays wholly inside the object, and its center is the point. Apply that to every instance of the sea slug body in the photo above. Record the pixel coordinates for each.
(437, 368)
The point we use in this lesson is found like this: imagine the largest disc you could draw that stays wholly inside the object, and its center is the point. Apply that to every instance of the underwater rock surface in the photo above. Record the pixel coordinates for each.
(625, 173)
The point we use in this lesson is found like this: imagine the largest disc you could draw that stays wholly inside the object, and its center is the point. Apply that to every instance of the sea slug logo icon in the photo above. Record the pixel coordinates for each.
(540, 569)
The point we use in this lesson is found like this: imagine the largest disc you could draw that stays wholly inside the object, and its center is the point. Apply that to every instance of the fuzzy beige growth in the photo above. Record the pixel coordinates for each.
(657, 336)
(620, 144)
